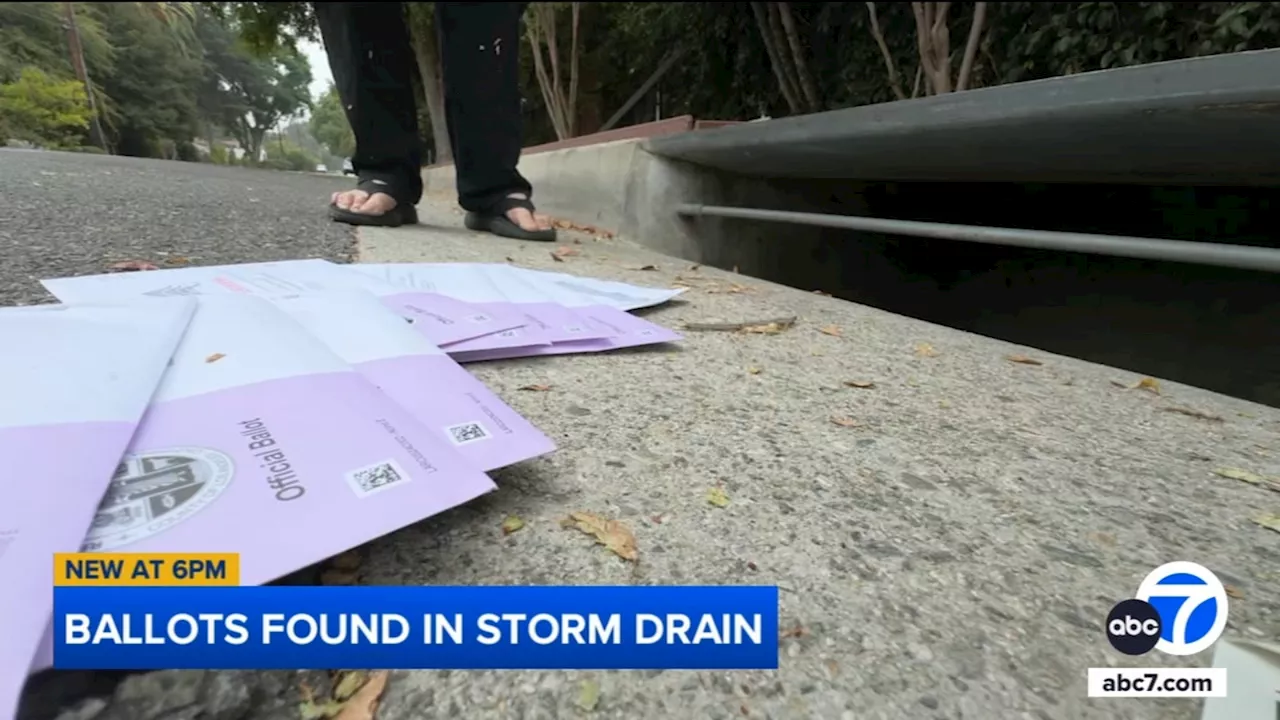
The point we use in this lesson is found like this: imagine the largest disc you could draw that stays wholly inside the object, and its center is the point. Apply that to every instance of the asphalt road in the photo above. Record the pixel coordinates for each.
(75, 214)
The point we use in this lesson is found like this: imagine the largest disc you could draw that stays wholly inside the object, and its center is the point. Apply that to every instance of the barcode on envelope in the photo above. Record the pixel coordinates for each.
(377, 477)
(468, 433)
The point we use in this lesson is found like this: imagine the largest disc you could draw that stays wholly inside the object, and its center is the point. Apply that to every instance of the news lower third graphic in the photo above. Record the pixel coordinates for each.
(1179, 609)
(130, 611)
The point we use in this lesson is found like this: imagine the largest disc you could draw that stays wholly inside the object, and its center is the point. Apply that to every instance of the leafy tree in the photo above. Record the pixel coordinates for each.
(329, 125)
(153, 86)
(276, 87)
(284, 154)
(226, 65)
(43, 109)
(32, 35)
(268, 26)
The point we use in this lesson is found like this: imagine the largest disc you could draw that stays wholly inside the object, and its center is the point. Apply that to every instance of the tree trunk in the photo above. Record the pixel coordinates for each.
(427, 53)
(895, 83)
(775, 61)
(571, 115)
(780, 42)
(971, 45)
(797, 53)
(544, 83)
(255, 140)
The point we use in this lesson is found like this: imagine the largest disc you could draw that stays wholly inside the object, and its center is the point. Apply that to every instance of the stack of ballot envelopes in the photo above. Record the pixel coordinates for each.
(234, 408)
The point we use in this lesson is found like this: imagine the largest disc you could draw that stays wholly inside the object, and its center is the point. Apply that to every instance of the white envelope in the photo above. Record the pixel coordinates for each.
(74, 384)
(441, 319)
(418, 376)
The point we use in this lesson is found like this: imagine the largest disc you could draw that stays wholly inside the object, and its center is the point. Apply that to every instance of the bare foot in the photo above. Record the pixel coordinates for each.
(525, 219)
(362, 202)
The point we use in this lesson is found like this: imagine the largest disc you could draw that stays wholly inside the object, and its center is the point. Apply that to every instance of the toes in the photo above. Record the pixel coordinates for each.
(378, 204)
(523, 218)
(352, 199)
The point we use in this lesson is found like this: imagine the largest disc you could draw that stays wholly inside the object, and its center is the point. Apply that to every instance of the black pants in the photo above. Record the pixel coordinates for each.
(373, 65)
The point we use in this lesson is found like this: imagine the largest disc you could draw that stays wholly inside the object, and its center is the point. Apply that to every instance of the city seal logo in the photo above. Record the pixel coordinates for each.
(153, 491)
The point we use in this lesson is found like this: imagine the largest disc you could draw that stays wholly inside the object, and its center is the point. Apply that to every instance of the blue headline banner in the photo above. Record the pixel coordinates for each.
(463, 628)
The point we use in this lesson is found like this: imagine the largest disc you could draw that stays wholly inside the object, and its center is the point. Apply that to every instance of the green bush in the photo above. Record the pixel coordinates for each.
(44, 110)
(89, 149)
(218, 155)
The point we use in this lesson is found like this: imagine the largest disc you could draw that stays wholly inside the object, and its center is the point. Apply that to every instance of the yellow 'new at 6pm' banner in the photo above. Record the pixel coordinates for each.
(146, 569)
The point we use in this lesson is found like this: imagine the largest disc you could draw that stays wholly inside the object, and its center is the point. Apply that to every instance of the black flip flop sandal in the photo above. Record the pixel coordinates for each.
(402, 214)
(495, 220)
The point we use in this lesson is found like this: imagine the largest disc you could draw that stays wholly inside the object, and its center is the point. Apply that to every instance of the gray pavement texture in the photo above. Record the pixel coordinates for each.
(949, 549)
(76, 213)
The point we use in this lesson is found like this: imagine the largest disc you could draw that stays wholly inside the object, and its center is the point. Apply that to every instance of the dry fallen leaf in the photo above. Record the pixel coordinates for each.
(615, 536)
(843, 421)
(349, 560)
(1272, 484)
(1151, 385)
(1233, 591)
(1023, 360)
(131, 265)
(215, 357)
(563, 252)
(556, 257)
(177, 260)
(718, 497)
(794, 631)
(536, 388)
(648, 267)
(364, 703)
(694, 267)
(860, 383)
(772, 328)
(926, 350)
(1104, 538)
(1267, 520)
(512, 524)
(311, 710)
(830, 330)
(754, 370)
(1192, 412)
(588, 695)
(511, 259)
(349, 681)
(768, 327)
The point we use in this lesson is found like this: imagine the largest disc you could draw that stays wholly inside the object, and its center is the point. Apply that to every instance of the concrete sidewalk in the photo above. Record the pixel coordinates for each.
(948, 540)
(952, 553)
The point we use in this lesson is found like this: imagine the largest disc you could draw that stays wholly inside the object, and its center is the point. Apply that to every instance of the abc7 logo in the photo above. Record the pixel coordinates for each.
(1194, 602)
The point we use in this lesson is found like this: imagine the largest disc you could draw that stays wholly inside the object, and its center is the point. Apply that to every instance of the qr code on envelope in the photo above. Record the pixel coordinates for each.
(468, 433)
(376, 478)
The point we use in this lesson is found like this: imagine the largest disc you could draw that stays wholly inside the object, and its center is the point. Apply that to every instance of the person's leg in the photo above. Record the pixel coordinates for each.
(372, 63)
(479, 54)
